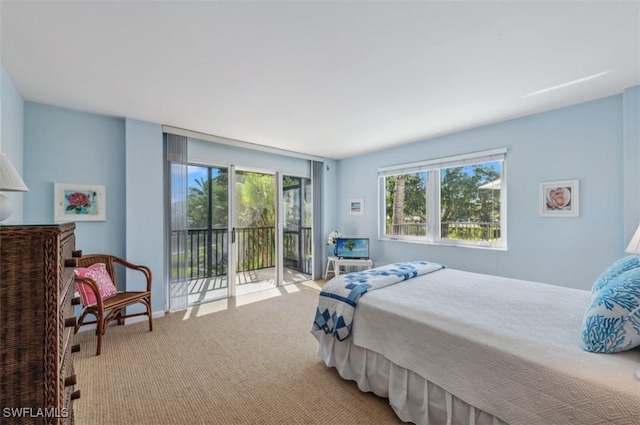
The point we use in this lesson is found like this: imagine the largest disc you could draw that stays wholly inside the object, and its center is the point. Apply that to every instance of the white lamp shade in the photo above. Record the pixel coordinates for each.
(634, 245)
(10, 180)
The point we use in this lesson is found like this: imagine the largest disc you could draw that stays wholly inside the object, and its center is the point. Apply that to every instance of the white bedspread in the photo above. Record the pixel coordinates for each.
(339, 297)
(509, 347)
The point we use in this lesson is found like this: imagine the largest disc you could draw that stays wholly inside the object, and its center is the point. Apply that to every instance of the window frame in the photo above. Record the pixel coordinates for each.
(433, 169)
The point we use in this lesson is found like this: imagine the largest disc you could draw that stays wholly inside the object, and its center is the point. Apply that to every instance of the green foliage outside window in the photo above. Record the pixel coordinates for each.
(468, 211)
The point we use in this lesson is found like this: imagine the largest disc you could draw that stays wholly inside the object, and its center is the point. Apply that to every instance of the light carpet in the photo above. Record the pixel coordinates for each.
(244, 360)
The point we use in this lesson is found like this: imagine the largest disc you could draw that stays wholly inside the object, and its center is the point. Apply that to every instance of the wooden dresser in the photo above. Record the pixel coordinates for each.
(37, 379)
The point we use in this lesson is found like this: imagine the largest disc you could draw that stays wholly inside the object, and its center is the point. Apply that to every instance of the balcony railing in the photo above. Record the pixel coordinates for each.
(408, 229)
(478, 231)
(207, 250)
(473, 231)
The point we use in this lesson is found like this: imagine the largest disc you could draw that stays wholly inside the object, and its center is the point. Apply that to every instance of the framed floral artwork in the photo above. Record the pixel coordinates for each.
(75, 202)
(559, 198)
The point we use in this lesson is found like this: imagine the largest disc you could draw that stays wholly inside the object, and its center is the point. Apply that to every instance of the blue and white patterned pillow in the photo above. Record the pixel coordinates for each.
(614, 270)
(612, 322)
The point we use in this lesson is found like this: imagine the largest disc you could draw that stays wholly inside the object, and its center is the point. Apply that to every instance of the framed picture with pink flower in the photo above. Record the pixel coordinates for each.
(76, 202)
(560, 198)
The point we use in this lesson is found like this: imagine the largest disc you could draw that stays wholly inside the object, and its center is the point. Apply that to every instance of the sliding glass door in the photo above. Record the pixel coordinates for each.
(245, 231)
(255, 232)
(296, 235)
(208, 205)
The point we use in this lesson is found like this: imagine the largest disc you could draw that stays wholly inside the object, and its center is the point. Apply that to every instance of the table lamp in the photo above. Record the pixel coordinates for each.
(10, 181)
(634, 248)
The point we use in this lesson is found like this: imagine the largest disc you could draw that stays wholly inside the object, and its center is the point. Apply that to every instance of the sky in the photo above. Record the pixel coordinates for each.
(196, 172)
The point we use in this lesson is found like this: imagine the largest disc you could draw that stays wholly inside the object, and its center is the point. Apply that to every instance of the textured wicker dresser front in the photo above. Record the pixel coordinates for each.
(37, 379)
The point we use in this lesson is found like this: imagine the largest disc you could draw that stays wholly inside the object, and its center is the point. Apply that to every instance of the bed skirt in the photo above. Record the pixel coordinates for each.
(412, 397)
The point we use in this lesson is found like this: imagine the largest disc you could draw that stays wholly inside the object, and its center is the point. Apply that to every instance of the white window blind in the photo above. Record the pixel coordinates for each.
(446, 162)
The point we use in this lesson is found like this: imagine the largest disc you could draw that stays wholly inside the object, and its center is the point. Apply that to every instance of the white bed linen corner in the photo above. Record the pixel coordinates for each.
(499, 349)
(413, 398)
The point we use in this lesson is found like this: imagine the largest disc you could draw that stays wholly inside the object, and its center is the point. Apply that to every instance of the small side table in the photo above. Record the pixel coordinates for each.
(331, 266)
(334, 263)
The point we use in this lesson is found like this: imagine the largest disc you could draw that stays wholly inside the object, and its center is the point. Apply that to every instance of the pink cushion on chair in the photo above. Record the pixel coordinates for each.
(97, 272)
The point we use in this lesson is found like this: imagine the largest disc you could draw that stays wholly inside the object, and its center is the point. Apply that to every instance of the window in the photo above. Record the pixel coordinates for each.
(457, 200)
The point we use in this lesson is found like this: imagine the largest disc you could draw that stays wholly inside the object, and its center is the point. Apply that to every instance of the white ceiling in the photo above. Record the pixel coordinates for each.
(331, 79)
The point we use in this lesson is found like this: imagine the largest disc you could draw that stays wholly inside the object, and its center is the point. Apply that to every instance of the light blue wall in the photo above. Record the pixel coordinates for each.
(126, 156)
(582, 142)
(330, 208)
(67, 146)
(11, 126)
(144, 205)
(631, 165)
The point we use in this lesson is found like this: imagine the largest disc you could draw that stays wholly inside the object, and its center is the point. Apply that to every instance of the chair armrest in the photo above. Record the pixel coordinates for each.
(143, 269)
(93, 285)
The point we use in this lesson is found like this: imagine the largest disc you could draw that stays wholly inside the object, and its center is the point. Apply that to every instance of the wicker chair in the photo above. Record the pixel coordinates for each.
(113, 308)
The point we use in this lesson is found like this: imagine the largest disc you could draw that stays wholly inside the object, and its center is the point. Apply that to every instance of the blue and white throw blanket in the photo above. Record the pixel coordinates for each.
(340, 295)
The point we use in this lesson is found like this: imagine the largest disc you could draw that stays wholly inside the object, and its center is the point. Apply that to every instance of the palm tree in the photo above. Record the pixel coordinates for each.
(398, 206)
(350, 244)
(198, 203)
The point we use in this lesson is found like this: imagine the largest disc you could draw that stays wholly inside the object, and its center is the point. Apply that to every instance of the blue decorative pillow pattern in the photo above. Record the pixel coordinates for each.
(614, 270)
(612, 322)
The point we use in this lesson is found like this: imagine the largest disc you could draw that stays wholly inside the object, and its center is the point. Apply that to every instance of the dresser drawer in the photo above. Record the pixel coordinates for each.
(68, 378)
(67, 320)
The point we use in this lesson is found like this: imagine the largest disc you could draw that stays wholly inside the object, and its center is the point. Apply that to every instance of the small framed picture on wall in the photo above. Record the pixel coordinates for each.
(560, 198)
(356, 206)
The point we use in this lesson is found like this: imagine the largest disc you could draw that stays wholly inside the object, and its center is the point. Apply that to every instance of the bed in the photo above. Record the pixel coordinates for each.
(453, 347)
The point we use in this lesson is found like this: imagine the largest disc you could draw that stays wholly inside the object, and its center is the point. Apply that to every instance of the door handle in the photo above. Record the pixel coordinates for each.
(233, 235)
